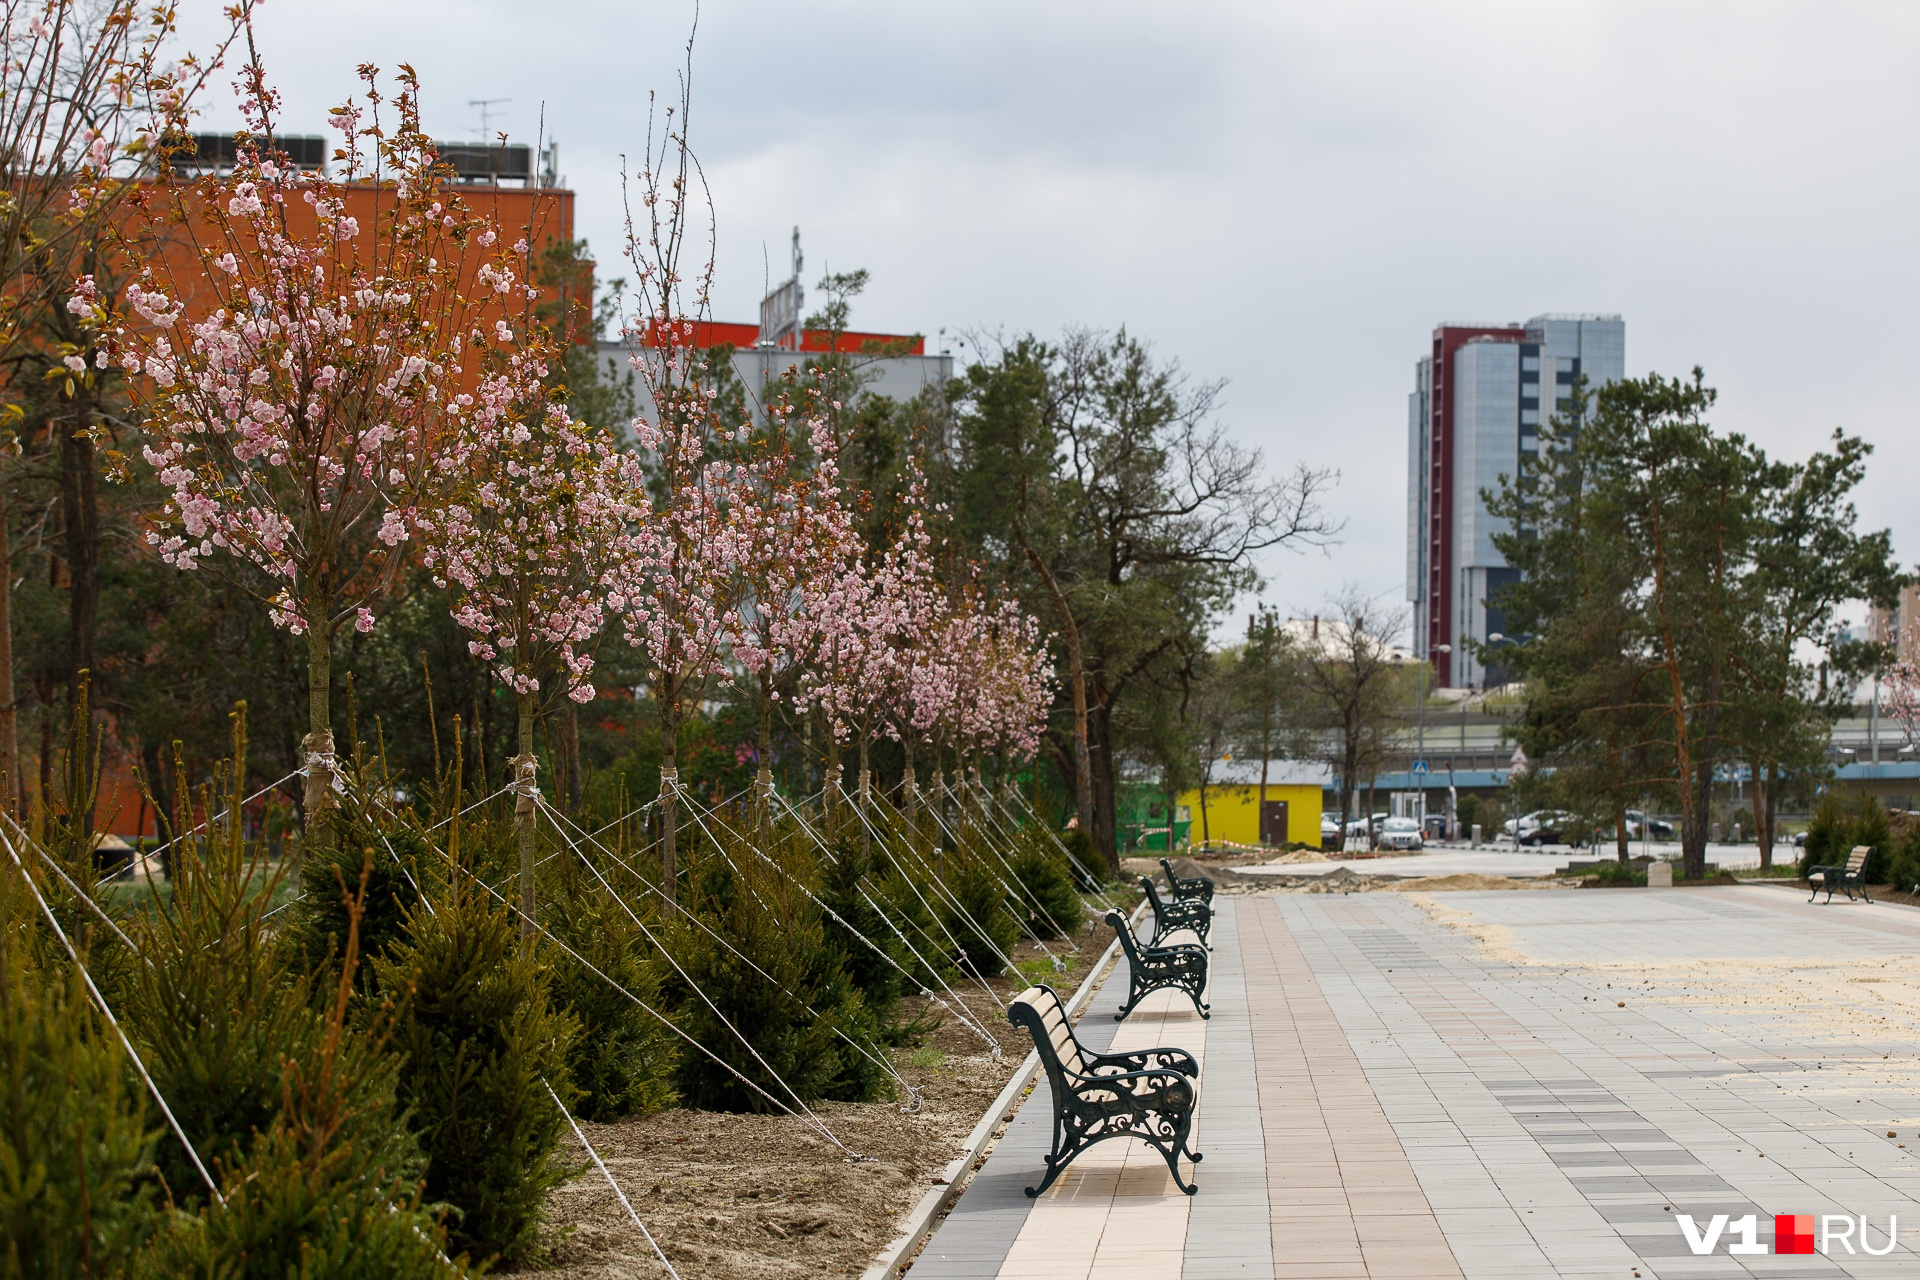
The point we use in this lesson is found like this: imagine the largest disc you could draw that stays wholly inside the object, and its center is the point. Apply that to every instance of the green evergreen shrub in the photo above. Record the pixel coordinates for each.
(217, 1008)
(1467, 812)
(912, 925)
(1050, 906)
(1870, 827)
(622, 1061)
(763, 966)
(331, 1188)
(1903, 865)
(974, 910)
(1837, 828)
(853, 891)
(1827, 830)
(75, 1144)
(288, 1099)
(1089, 868)
(394, 861)
(477, 1032)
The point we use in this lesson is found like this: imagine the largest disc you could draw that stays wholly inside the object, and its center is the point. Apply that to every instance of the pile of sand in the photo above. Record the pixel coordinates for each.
(1298, 855)
(1468, 880)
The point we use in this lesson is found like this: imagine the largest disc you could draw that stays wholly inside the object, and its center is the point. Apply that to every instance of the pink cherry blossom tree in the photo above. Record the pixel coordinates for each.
(298, 383)
(684, 572)
(529, 535)
(1900, 687)
(799, 534)
(832, 683)
(857, 676)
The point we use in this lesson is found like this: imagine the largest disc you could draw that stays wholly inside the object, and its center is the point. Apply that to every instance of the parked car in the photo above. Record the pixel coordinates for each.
(1358, 828)
(1543, 826)
(1329, 831)
(1399, 833)
(1641, 827)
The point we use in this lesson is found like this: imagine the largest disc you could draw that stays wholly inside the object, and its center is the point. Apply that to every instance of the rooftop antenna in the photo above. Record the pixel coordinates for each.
(797, 259)
(487, 113)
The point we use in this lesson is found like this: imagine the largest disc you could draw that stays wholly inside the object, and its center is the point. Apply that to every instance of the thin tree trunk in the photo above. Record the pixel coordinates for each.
(763, 777)
(317, 748)
(1100, 744)
(12, 784)
(526, 809)
(832, 788)
(1620, 845)
(669, 798)
(1206, 832)
(575, 779)
(1077, 683)
(46, 747)
(865, 788)
(1763, 813)
(80, 510)
(1693, 848)
(1676, 687)
(909, 791)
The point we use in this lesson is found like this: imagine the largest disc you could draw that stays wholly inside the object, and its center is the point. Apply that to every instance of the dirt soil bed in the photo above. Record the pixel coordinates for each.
(746, 1197)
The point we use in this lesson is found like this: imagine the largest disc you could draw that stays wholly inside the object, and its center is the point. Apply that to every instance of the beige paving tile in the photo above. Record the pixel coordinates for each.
(1117, 1203)
(1344, 1201)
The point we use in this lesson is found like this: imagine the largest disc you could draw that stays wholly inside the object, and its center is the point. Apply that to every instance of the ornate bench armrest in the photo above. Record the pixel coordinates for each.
(1145, 1060)
(1133, 1086)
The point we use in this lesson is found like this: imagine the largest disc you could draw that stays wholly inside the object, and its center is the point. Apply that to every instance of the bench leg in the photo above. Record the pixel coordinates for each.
(1175, 1150)
(1173, 1167)
(1065, 1148)
(1053, 1171)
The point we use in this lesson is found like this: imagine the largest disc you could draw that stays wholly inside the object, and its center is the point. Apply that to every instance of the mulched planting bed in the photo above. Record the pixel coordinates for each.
(750, 1197)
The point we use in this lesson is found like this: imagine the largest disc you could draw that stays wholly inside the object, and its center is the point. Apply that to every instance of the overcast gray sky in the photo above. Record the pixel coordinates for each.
(1287, 196)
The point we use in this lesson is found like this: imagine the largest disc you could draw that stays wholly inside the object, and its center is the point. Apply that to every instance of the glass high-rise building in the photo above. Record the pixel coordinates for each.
(1479, 398)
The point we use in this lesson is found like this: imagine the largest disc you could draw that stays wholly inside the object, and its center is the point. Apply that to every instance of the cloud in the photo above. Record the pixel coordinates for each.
(1289, 196)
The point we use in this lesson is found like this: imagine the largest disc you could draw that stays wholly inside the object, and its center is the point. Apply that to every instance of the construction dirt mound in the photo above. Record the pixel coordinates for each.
(1186, 867)
(1300, 855)
(1225, 879)
(1471, 880)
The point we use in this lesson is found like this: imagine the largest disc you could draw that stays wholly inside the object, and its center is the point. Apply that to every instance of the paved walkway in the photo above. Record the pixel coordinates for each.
(1504, 1085)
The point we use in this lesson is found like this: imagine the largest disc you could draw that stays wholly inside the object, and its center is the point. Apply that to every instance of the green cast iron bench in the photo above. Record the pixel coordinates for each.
(1186, 888)
(1181, 913)
(1181, 967)
(1845, 878)
(1149, 1095)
